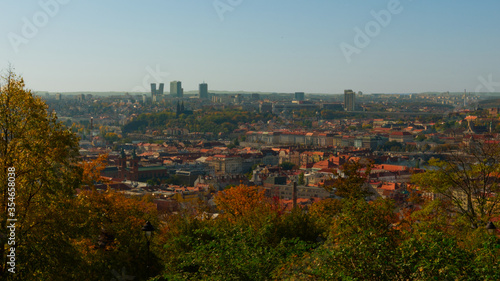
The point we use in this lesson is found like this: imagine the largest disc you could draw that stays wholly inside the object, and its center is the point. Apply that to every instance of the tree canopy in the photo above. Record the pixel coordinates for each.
(58, 230)
(468, 181)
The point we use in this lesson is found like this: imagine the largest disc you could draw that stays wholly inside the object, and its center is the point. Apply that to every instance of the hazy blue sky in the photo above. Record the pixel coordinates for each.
(253, 45)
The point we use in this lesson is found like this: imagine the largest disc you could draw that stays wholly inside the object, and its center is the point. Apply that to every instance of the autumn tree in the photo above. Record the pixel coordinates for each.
(106, 233)
(243, 202)
(40, 154)
(351, 180)
(467, 181)
(57, 231)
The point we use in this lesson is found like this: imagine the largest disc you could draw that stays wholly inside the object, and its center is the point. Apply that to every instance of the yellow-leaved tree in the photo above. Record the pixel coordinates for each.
(38, 156)
(47, 230)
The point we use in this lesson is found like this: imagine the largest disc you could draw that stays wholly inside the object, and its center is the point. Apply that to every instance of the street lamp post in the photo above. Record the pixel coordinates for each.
(148, 232)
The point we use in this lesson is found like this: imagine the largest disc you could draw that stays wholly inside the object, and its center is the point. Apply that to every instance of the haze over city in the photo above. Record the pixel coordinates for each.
(272, 46)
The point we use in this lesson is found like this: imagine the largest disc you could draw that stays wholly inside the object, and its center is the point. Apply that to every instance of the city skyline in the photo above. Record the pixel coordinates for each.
(294, 46)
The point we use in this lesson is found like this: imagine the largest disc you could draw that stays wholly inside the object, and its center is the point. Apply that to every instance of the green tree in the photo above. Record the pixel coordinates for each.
(248, 241)
(111, 137)
(420, 138)
(359, 246)
(287, 166)
(467, 181)
(351, 180)
(301, 179)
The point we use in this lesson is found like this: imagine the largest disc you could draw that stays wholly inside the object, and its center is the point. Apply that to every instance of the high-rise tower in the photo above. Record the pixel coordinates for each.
(299, 96)
(349, 100)
(176, 89)
(203, 94)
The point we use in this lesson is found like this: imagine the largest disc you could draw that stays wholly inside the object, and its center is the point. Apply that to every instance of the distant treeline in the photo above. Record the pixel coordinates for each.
(225, 121)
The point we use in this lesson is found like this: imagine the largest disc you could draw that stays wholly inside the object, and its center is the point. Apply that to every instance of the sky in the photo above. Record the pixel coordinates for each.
(284, 46)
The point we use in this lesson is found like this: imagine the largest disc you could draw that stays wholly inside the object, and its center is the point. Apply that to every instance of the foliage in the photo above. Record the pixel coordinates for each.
(359, 246)
(430, 254)
(324, 212)
(301, 179)
(243, 202)
(351, 182)
(42, 155)
(91, 170)
(230, 247)
(57, 232)
(364, 243)
(229, 253)
(468, 181)
(392, 146)
(420, 138)
(287, 166)
(107, 233)
(225, 121)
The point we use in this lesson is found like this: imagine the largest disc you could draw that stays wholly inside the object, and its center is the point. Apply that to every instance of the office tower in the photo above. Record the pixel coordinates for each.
(58, 97)
(155, 92)
(153, 89)
(176, 89)
(349, 100)
(203, 94)
(299, 96)
(160, 89)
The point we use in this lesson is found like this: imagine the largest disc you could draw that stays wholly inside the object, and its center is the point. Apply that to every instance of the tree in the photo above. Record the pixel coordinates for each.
(106, 234)
(359, 246)
(301, 179)
(111, 137)
(420, 138)
(287, 166)
(468, 180)
(351, 181)
(203, 249)
(242, 201)
(39, 155)
(58, 232)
